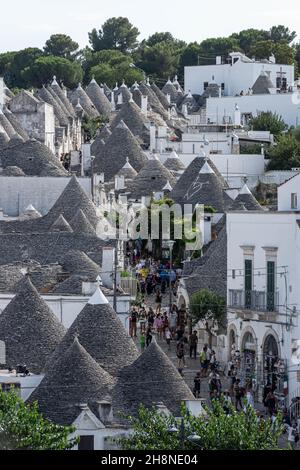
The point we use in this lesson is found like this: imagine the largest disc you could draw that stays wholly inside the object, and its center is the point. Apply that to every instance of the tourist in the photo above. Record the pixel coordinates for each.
(271, 402)
(148, 336)
(158, 300)
(203, 362)
(238, 394)
(133, 323)
(293, 436)
(193, 340)
(180, 353)
(197, 385)
(213, 360)
(168, 337)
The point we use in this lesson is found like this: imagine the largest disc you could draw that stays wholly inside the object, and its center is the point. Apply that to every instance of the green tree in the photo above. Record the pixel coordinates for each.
(282, 33)
(247, 38)
(43, 69)
(268, 121)
(22, 427)
(209, 307)
(22, 60)
(61, 45)
(159, 37)
(190, 56)
(284, 53)
(212, 47)
(285, 155)
(262, 49)
(116, 33)
(296, 133)
(215, 429)
(160, 60)
(5, 66)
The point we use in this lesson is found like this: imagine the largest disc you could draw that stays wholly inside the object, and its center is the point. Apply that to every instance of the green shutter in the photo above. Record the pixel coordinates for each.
(270, 285)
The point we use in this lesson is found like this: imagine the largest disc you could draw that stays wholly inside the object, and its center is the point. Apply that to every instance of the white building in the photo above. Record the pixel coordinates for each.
(263, 255)
(238, 74)
(222, 110)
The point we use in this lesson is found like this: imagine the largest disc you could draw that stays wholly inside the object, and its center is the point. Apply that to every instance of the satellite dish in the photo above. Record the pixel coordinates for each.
(296, 352)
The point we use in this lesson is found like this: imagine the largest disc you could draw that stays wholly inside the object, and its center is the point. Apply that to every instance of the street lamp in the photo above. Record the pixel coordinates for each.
(193, 438)
(170, 244)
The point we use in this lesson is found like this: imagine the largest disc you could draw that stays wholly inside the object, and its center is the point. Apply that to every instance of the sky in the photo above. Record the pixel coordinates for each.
(33, 21)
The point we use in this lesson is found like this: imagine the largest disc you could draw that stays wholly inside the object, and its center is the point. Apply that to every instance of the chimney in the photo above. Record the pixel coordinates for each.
(120, 99)
(185, 110)
(218, 60)
(108, 259)
(1, 93)
(168, 98)
(105, 411)
(119, 182)
(152, 137)
(112, 101)
(144, 105)
(237, 116)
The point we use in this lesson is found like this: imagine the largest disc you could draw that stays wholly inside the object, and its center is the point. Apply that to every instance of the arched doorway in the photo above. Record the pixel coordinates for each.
(271, 361)
(248, 358)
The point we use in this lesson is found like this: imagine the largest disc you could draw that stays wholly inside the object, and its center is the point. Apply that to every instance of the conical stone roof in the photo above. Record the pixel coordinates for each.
(70, 201)
(76, 379)
(151, 178)
(29, 329)
(150, 379)
(46, 96)
(153, 100)
(55, 86)
(262, 84)
(81, 224)
(161, 96)
(84, 100)
(102, 334)
(4, 139)
(61, 225)
(169, 89)
(33, 157)
(137, 97)
(60, 102)
(173, 163)
(134, 119)
(15, 123)
(118, 147)
(127, 171)
(7, 126)
(77, 262)
(246, 198)
(184, 186)
(99, 98)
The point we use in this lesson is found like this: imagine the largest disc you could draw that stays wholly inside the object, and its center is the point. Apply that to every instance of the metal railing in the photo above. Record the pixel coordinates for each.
(260, 301)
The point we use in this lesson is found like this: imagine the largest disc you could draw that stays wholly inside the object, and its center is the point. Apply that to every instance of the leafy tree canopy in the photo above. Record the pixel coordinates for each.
(285, 155)
(61, 45)
(22, 427)
(116, 33)
(43, 69)
(217, 429)
(206, 304)
(268, 121)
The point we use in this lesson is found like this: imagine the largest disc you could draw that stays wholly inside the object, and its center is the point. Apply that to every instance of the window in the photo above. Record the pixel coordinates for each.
(86, 443)
(271, 286)
(223, 86)
(233, 274)
(248, 282)
(294, 202)
(205, 85)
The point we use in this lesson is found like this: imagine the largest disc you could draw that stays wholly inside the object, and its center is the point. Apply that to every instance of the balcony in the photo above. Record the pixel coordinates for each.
(259, 301)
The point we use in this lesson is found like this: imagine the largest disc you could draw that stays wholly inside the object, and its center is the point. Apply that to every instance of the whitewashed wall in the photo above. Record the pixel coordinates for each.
(18, 192)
